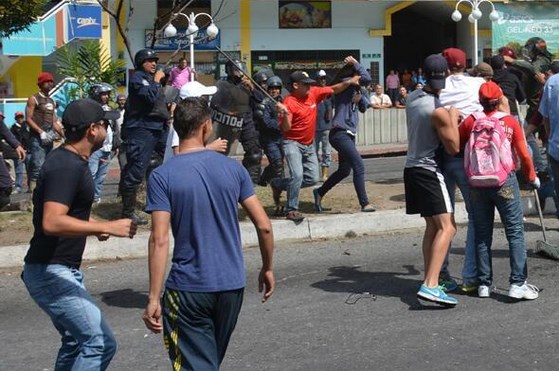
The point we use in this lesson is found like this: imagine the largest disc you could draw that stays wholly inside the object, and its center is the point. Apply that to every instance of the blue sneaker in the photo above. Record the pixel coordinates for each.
(448, 285)
(436, 295)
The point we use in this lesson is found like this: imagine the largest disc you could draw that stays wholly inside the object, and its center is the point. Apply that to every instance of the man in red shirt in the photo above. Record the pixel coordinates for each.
(298, 124)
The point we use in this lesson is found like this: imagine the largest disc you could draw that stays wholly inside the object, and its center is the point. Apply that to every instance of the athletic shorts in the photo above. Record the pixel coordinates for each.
(426, 192)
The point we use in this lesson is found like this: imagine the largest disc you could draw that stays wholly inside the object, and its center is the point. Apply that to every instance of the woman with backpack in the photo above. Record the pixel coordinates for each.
(490, 167)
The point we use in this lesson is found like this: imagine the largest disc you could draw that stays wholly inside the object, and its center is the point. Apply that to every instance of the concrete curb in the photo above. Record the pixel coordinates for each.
(313, 227)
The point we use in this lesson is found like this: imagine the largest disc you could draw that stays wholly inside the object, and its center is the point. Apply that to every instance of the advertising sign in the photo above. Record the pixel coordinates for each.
(40, 39)
(84, 22)
(519, 22)
(305, 14)
(180, 41)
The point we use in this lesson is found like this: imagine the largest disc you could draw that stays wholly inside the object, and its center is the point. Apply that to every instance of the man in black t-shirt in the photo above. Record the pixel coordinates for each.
(61, 219)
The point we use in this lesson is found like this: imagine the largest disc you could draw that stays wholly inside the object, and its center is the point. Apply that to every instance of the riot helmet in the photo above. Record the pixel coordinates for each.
(535, 46)
(95, 91)
(274, 82)
(142, 56)
(235, 70)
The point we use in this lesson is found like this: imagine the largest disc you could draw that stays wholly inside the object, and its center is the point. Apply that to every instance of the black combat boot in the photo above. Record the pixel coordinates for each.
(128, 205)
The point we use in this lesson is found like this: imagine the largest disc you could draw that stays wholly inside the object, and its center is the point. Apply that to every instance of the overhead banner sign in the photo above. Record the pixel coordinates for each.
(84, 22)
(39, 39)
(519, 22)
(180, 41)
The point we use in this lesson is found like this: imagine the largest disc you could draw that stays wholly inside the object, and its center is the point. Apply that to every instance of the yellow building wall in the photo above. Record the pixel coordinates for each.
(23, 75)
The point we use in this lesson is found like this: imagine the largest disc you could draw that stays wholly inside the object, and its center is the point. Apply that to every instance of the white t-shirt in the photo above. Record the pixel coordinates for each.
(380, 99)
(462, 92)
(172, 141)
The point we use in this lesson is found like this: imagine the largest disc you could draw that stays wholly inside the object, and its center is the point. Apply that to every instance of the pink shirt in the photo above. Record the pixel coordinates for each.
(392, 82)
(179, 77)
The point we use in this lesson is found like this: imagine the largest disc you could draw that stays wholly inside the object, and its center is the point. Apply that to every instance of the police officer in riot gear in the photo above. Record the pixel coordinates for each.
(232, 116)
(144, 128)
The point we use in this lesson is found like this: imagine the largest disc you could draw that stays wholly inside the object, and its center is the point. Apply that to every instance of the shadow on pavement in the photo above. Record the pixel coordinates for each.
(125, 298)
(361, 284)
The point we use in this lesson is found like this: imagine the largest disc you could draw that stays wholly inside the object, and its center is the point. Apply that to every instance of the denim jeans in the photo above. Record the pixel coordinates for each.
(87, 341)
(455, 176)
(553, 166)
(38, 153)
(508, 203)
(348, 159)
(19, 166)
(99, 162)
(321, 140)
(303, 171)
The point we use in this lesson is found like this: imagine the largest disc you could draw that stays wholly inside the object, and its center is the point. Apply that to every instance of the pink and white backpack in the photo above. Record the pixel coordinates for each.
(488, 157)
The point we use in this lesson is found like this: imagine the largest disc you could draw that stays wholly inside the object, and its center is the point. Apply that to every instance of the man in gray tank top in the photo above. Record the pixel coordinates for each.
(432, 129)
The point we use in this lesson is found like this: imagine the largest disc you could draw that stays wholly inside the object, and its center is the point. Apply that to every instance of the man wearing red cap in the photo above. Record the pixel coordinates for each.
(506, 199)
(41, 118)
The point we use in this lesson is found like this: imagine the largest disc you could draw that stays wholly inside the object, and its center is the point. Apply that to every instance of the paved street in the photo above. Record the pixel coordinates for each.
(323, 315)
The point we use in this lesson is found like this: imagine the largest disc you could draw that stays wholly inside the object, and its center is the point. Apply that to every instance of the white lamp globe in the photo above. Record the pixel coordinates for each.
(494, 16)
(476, 14)
(456, 16)
(192, 28)
(170, 31)
(471, 19)
(212, 30)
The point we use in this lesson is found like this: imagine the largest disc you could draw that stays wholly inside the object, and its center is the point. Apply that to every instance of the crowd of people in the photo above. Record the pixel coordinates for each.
(173, 131)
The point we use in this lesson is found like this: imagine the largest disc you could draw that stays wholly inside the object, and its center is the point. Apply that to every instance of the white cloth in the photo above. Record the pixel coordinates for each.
(380, 99)
(462, 92)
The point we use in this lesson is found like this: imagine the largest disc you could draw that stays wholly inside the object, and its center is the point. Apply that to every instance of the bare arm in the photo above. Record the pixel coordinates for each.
(546, 126)
(286, 117)
(263, 226)
(445, 123)
(57, 222)
(29, 111)
(157, 263)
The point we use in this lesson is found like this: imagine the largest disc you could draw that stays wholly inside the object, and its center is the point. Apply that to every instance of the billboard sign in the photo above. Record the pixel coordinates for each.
(180, 41)
(84, 22)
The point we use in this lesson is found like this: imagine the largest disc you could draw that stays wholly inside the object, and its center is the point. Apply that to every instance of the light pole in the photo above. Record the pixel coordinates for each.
(474, 16)
(171, 31)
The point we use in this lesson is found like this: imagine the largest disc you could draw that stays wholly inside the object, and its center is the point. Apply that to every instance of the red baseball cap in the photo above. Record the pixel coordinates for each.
(456, 58)
(489, 91)
(2, 114)
(18, 114)
(506, 51)
(44, 77)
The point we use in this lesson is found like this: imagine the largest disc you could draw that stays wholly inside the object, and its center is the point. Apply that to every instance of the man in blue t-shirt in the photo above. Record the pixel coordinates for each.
(197, 192)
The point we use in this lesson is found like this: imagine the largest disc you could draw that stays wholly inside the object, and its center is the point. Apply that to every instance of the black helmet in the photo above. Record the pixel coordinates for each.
(96, 89)
(234, 65)
(142, 56)
(260, 77)
(274, 81)
(536, 46)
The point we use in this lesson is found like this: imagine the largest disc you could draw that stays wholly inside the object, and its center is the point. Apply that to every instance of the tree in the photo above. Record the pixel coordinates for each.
(89, 63)
(18, 15)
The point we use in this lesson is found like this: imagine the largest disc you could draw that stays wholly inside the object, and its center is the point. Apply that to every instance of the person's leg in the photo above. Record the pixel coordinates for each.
(37, 157)
(508, 204)
(483, 214)
(93, 163)
(294, 159)
(189, 331)
(449, 173)
(554, 165)
(340, 141)
(439, 233)
(227, 311)
(18, 169)
(326, 149)
(310, 166)
(102, 171)
(87, 341)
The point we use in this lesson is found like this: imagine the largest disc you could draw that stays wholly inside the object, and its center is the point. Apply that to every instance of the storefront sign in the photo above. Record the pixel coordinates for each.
(84, 22)
(40, 39)
(180, 41)
(519, 22)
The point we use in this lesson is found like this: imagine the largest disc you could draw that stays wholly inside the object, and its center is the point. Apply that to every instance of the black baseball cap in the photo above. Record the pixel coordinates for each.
(435, 67)
(302, 77)
(84, 112)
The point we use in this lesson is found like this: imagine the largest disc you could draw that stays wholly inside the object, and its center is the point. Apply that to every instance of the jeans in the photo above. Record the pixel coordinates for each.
(553, 164)
(508, 203)
(38, 152)
(321, 140)
(99, 162)
(139, 145)
(19, 165)
(348, 159)
(455, 176)
(303, 169)
(87, 341)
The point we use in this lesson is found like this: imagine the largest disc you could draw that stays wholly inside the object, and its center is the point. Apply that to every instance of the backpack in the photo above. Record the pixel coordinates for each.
(488, 157)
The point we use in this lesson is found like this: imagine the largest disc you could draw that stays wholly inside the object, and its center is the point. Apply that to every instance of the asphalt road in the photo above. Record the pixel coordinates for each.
(345, 304)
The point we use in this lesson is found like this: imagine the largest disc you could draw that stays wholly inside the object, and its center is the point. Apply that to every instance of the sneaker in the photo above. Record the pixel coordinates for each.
(526, 291)
(448, 285)
(468, 288)
(368, 208)
(484, 291)
(436, 295)
(295, 216)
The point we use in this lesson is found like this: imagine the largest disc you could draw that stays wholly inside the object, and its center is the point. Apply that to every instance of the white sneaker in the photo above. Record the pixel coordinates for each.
(526, 291)
(484, 291)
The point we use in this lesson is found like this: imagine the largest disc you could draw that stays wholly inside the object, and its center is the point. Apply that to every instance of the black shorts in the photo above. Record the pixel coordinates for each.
(426, 192)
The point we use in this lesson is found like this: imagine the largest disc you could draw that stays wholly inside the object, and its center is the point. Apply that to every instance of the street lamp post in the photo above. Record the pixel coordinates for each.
(474, 16)
(171, 31)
